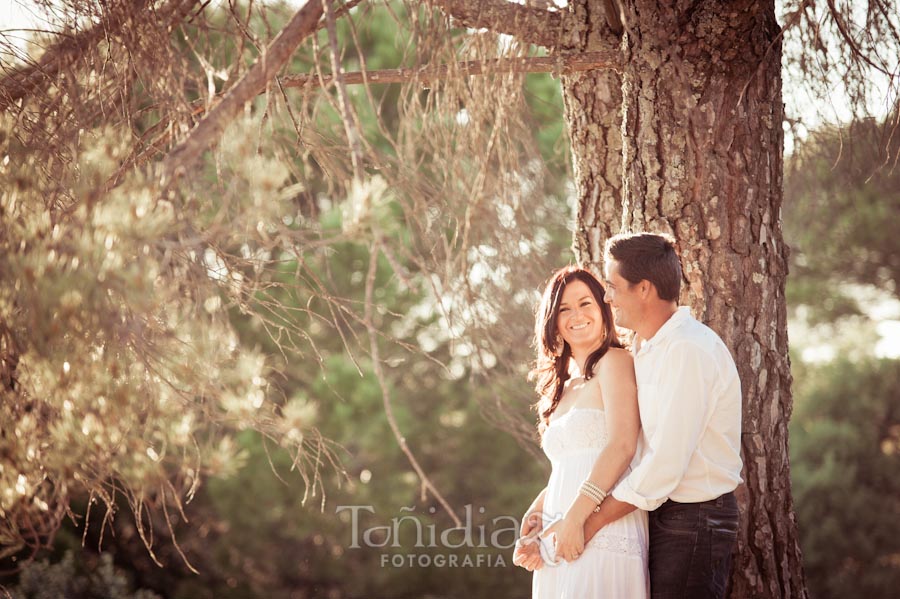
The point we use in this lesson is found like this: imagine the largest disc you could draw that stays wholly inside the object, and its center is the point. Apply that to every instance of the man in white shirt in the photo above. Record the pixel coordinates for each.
(690, 404)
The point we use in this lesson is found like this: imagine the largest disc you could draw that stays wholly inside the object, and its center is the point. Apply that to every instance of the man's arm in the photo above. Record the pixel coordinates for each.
(681, 403)
(683, 400)
(610, 510)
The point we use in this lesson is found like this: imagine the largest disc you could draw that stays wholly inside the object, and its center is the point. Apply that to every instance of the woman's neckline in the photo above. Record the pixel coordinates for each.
(572, 409)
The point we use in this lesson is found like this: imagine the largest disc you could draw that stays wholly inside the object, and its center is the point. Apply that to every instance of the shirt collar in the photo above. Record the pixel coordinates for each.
(681, 315)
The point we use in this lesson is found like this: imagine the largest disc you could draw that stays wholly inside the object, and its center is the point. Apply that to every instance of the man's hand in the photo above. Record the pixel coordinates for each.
(610, 510)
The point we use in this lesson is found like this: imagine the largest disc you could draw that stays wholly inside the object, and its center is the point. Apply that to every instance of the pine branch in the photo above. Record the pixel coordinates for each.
(349, 118)
(304, 22)
(34, 78)
(427, 484)
(561, 64)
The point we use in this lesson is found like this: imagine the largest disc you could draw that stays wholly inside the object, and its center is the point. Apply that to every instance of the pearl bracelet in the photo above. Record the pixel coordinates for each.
(593, 492)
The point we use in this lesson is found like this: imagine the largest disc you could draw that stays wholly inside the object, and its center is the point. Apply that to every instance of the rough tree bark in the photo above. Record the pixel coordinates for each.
(593, 114)
(703, 161)
(701, 138)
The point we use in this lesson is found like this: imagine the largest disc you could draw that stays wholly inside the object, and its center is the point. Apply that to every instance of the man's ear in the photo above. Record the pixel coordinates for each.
(648, 290)
(645, 288)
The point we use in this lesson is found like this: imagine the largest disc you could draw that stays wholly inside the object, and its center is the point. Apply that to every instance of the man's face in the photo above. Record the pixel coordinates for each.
(623, 297)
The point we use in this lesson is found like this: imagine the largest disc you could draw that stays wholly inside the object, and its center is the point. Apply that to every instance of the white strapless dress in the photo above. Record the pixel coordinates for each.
(614, 562)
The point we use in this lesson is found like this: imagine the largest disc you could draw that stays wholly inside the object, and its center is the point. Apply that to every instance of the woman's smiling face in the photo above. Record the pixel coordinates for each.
(580, 322)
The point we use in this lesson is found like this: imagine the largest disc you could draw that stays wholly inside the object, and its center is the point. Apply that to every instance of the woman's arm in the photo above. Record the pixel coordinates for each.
(619, 392)
(532, 517)
(623, 425)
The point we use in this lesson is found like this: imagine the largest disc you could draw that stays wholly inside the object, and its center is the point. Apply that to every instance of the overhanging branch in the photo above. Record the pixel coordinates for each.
(562, 64)
(30, 79)
(18, 83)
(254, 82)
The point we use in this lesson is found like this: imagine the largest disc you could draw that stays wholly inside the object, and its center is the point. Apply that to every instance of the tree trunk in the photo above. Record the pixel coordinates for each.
(593, 113)
(702, 151)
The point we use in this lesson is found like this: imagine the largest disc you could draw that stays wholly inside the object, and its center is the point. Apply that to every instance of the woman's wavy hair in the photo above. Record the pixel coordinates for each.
(551, 370)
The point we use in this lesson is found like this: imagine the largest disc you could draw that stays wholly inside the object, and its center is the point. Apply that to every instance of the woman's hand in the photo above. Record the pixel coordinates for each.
(528, 553)
(569, 540)
(531, 522)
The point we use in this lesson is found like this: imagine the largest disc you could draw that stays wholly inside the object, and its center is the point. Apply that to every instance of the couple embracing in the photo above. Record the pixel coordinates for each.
(644, 445)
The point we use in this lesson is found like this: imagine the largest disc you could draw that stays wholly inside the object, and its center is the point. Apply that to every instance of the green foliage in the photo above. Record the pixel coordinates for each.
(842, 191)
(544, 97)
(282, 547)
(43, 580)
(207, 336)
(128, 376)
(845, 456)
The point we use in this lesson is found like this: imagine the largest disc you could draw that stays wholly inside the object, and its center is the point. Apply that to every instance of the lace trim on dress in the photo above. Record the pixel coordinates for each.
(566, 433)
(617, 544)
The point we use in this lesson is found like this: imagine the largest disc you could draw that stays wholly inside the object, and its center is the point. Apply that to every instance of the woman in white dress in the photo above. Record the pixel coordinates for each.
(589, 427)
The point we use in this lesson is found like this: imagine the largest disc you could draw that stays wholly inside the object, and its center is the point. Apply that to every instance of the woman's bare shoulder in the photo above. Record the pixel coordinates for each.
(618, 357)
(616, 362)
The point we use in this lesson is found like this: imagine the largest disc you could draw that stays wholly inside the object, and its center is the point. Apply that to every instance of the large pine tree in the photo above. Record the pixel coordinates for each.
(674, 115)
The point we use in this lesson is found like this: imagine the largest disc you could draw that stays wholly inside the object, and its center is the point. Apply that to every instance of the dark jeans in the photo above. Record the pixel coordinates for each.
(690, 548)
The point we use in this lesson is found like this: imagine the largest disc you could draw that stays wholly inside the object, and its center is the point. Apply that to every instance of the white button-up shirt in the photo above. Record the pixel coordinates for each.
(690, 403)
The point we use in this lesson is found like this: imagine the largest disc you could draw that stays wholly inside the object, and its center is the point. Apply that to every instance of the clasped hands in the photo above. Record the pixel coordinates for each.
(564, 535)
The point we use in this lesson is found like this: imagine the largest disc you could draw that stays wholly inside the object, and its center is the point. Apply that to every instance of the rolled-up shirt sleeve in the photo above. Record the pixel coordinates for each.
(681, 408)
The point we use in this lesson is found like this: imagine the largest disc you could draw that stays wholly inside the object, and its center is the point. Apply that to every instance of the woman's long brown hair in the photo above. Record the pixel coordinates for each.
(552, 368)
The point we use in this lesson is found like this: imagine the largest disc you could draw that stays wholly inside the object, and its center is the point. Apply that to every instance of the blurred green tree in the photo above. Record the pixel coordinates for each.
(43, 580)
(842, 191)
(845, 456)
(841, 188)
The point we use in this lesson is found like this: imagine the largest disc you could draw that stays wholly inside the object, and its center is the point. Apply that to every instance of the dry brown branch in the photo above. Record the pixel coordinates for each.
(385, 392)
(841, 23)
(347, 115)
(30, 79)
(564, 64)
(844, 53)
(162, 493)
(302, 24)
(532, 25)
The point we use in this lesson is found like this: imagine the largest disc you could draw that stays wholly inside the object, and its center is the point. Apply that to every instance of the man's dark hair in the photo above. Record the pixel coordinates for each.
(650, 257)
